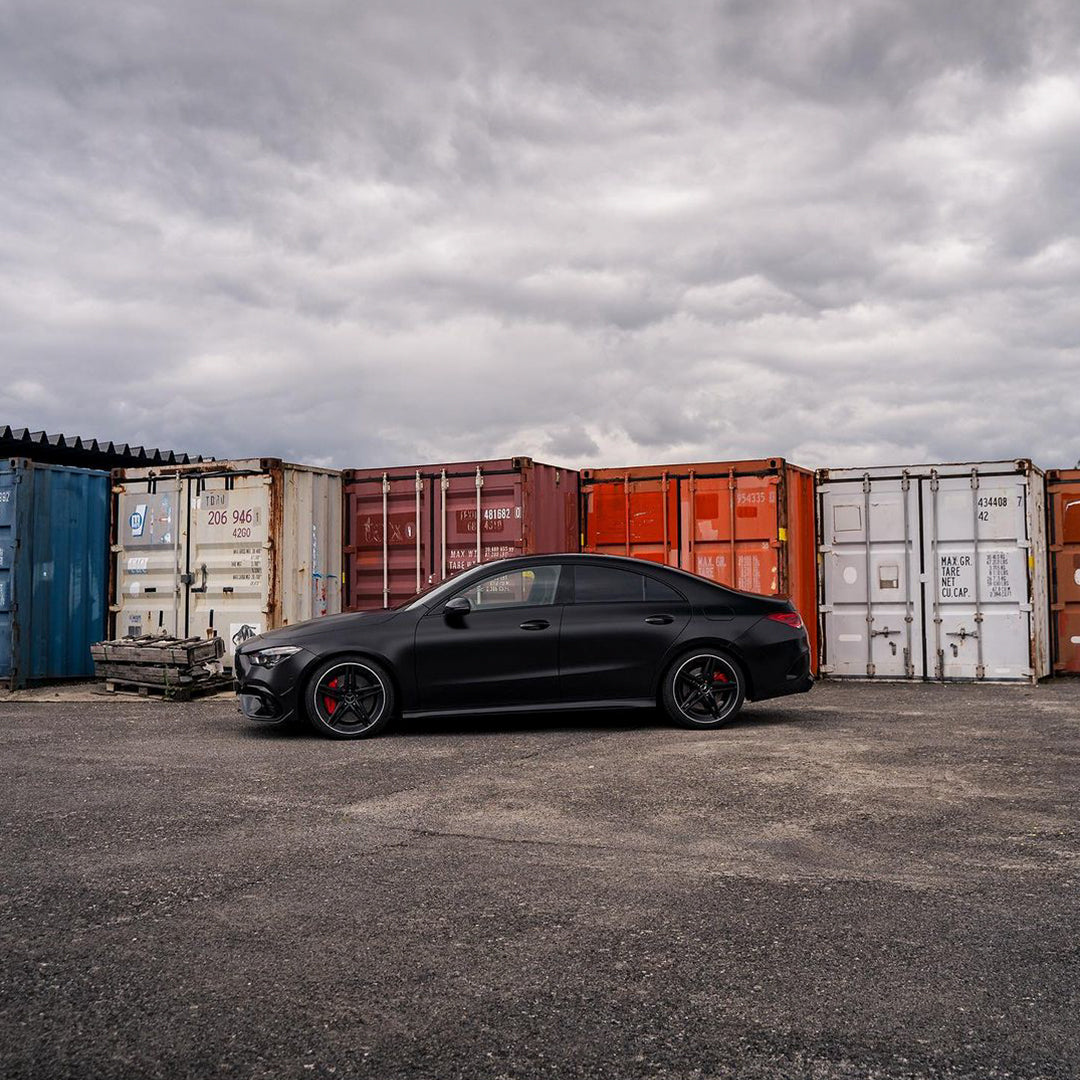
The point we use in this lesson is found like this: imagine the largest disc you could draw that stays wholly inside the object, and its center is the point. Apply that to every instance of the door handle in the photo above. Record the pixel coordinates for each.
(535, 624)
(660, 620)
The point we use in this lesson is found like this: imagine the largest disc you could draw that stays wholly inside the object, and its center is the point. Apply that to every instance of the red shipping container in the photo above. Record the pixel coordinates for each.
(410, 527)
(745, 524)
(1063, 507)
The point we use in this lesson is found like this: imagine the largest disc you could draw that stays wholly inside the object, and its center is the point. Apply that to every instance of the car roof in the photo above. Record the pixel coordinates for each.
(623, 562)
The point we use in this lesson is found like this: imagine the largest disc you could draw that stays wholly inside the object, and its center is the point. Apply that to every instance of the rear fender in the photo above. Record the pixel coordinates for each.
(725, 647)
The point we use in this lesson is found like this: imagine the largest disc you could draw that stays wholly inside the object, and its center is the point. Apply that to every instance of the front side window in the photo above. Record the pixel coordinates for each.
(534, 587)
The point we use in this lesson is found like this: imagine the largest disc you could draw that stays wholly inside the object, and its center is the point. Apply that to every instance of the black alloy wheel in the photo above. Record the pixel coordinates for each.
(704, 689)
(350, 699)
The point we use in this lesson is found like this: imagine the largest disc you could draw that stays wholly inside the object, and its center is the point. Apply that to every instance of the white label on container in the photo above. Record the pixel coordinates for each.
(851, 575)
(1075, 640)
(135, 589)
(138, 564)
(1076, 577)
(849, 637)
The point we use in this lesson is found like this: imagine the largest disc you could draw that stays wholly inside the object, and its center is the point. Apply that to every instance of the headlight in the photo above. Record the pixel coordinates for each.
(271, 657)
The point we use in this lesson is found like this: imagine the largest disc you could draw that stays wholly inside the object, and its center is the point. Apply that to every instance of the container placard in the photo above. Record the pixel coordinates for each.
(956, 577)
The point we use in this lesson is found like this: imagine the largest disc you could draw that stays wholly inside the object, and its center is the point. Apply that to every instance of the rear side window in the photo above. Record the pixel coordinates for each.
(606, 585)
(660, 593)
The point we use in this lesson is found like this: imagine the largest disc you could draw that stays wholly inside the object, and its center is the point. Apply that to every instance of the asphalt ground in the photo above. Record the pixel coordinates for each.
(865, 881)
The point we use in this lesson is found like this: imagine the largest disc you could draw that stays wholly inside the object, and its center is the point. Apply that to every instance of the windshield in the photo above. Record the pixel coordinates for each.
(431, 592)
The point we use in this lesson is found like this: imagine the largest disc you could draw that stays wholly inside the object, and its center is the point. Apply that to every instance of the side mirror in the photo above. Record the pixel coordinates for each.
(459, 605)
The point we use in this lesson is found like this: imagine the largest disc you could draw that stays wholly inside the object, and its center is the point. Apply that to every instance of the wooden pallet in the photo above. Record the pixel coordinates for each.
(214, 684)
(177, 652)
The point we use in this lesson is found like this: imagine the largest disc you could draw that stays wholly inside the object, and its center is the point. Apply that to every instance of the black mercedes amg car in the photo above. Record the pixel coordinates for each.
(536, 633)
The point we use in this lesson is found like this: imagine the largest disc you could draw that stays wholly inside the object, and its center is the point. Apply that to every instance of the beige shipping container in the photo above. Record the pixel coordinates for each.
(232, 548)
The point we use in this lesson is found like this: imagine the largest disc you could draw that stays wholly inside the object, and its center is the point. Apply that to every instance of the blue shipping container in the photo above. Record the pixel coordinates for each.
(54, 576)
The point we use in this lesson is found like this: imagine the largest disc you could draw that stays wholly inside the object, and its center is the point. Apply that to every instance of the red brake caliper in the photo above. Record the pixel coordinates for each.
(719, 676)
(329, 702)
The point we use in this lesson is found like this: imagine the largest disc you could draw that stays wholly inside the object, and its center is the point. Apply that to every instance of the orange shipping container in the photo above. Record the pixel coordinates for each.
(1063, 503)
(745, 524)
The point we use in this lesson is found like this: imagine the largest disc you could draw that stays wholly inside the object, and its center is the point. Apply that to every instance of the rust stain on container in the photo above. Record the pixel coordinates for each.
(410, 526)
(1063, 491)
(745, 524)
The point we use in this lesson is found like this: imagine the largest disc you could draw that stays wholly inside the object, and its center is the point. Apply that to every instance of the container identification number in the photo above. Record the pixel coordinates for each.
(239, 517)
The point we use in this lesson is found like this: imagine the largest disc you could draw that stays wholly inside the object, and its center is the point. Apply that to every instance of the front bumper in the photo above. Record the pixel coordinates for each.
(270, 696)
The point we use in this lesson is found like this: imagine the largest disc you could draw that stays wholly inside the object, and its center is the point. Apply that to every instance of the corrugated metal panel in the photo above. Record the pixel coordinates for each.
(410, 526)
(86, 453)
(1063, 493)
(234, 548)
(745, 524)
(934, 572)
(53, 569)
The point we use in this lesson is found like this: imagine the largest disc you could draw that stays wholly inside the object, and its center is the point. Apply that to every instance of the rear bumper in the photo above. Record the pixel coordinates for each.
(780, 660)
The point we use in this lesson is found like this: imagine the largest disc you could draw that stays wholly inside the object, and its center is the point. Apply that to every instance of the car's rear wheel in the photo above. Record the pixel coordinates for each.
(349, 698)
(704, 688)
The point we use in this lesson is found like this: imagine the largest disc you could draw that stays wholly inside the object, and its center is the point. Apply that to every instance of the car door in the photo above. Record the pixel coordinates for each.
(615, 633)
(504, 652)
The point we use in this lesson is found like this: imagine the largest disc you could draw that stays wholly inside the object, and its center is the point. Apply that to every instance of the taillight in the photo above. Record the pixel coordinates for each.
(788, 618)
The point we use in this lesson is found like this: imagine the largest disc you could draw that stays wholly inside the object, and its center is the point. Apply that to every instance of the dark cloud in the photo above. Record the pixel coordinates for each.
(378, 233)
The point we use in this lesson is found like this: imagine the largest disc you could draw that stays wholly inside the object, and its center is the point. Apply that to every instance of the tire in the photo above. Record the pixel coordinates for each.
(691, 694)
(355, 690)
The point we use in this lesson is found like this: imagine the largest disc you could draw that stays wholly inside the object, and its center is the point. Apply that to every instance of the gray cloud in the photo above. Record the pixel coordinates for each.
(368, 234)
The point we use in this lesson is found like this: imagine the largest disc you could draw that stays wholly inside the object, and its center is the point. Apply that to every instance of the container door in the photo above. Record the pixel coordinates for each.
(633, 517)
(979, 619)
(871, 610)
(730, 531)
(152, 540)
(1066, 568)
(65, 611)
(8, 547)
(495, 499)
(389, 528)
(230, 561)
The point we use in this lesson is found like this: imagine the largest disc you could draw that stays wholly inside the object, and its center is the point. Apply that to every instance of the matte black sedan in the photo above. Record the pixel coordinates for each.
(532, 634)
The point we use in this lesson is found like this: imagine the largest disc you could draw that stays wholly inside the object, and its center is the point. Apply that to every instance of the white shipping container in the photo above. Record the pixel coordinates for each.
(229, 548)
(934, 572)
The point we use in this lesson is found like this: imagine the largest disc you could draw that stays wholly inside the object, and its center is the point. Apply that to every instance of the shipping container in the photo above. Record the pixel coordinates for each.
(934, 572)
(232, 548)
(412, 526)
(745, 524)
(54, 569)
(1063, 494)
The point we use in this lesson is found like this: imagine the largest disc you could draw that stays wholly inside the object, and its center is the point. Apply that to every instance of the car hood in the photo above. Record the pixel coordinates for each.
(312, 628)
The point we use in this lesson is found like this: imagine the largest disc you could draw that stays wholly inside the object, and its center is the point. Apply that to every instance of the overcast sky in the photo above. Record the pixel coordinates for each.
(594, 233)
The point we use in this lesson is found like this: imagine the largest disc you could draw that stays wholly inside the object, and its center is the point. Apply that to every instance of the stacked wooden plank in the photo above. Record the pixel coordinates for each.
(178, 668)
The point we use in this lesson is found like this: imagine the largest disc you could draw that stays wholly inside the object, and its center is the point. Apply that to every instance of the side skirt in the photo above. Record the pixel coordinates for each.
(554, 707)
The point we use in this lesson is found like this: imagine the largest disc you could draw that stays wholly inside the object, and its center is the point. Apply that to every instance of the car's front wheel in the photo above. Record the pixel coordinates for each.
(703, 688)
(349, 698)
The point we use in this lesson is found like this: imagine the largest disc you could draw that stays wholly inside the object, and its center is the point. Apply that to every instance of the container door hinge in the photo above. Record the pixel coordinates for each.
(825, 609)
(826, 669)
(870, 669)
(980, 672)
(1026, 607)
